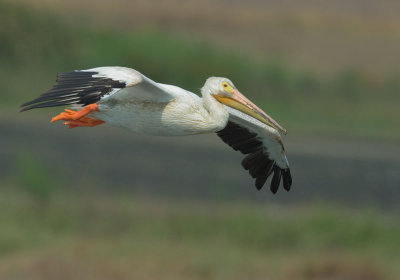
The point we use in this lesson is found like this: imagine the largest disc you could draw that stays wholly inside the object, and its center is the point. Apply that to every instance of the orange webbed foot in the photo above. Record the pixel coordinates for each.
(83, 122)
(78, 118)
(70, 115)
(67, 115)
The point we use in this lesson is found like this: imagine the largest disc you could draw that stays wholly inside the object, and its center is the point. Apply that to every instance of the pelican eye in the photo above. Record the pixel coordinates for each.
(227, 87)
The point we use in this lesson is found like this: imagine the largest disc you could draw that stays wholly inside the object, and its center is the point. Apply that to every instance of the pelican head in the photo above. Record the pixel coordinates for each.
(223, 90)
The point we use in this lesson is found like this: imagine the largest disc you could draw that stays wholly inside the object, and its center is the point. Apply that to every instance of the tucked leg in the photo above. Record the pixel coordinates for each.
(83, 122)
(79, 118)
(72, 115)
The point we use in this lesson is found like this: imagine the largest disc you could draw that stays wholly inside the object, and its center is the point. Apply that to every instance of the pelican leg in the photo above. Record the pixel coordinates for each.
(83, 122)
(78, 118)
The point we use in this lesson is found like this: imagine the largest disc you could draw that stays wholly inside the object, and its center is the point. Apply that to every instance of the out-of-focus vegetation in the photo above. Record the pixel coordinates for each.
(98, 236)
(102, 204)
(323, 37)
(35, 45)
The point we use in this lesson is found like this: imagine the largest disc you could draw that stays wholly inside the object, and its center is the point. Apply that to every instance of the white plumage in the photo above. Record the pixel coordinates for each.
(126, 98)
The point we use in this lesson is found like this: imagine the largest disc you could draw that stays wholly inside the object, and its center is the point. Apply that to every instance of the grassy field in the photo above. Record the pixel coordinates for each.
(104, 236)
(35, 45)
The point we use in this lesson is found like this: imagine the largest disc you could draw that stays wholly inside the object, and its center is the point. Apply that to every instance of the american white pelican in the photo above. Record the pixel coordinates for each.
(124, 97)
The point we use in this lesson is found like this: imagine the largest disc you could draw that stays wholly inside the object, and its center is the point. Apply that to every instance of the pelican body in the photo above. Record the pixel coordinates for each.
(125, 98)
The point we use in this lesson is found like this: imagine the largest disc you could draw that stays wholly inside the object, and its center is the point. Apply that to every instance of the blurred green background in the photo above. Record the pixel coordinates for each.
(103, 203)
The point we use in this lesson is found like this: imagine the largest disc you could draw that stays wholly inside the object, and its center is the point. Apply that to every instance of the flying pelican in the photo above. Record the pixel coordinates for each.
(126, 98)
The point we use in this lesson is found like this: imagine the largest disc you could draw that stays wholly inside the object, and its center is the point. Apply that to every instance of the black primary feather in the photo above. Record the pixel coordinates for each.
(77, 87)
(276, 180)
(287, 179)
(257, 161)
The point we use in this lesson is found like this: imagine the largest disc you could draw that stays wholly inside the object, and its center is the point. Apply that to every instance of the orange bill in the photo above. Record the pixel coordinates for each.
(239, 102)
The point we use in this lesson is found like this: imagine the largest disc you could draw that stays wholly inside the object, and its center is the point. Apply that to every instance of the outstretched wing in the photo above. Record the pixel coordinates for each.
(89, 86)
(262, 146)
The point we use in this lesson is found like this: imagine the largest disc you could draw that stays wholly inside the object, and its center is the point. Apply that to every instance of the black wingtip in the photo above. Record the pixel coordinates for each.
(75, 87)
(24, 107)
(27, 106)
(257, 160)
(287, 179)
(276, 180)
(259, 183)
